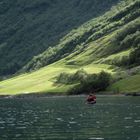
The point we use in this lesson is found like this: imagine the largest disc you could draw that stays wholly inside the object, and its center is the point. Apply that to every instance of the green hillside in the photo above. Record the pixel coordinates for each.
(27, 27)
(108, 34)
(44, 79)
(110, 43)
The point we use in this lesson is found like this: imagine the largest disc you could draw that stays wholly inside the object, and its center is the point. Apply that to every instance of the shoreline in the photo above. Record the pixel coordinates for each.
(47, 95)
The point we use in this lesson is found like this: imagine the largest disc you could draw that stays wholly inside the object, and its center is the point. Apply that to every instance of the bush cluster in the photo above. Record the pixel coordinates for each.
(86, 82)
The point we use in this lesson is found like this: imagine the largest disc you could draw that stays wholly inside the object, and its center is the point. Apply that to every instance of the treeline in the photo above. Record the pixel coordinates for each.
(85, 82)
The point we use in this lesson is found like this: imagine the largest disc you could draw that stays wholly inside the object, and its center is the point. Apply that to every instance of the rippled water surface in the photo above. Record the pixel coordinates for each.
(69, 118)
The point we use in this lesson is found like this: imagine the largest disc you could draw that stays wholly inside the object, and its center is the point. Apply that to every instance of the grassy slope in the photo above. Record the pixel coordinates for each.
(92, 58)
(43, 80)
(130, 84)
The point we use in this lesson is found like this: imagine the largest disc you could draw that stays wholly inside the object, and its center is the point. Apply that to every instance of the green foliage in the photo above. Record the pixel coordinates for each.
(131, 28)
(127, 10)
(66, 78)
(131, 40)
(94, 82)
(87, 82)
(134, 58)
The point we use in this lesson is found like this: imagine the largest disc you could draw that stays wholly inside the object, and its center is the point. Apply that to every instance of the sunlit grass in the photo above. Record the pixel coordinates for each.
(130, 84)
(118, 55)
(43, 80)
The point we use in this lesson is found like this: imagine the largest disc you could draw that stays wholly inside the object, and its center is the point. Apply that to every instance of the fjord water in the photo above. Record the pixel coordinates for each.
(69, 118)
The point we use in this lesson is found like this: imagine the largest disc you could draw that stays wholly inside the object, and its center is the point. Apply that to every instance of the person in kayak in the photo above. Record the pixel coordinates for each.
(91, 98)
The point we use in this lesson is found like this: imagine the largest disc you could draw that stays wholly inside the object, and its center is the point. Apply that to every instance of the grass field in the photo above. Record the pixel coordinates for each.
(130, 84)
(44, 79)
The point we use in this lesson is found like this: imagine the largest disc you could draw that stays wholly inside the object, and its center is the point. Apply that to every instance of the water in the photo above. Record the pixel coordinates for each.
(69, 118)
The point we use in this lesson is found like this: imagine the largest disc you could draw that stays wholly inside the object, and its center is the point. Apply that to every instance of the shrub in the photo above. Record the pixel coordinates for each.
(86, 82)
(66, 78)
(134, 58)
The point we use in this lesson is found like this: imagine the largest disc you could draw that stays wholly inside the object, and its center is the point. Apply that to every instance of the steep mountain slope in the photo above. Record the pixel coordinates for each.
(104, 43)
(27, 27)
(122, 29)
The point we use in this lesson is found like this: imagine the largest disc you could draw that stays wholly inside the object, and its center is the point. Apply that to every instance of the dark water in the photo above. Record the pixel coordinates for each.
(69, 118)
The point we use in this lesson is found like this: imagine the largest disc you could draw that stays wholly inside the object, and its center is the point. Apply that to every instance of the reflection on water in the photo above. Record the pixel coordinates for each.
(69, 118)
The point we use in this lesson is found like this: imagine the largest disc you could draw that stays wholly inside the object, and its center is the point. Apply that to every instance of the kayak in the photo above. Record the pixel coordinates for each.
(91, 102)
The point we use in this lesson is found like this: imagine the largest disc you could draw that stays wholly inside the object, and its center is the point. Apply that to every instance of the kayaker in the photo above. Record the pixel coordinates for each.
(91, 98)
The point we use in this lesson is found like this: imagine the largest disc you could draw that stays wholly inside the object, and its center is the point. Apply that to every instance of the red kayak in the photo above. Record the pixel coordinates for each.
(91, 102)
